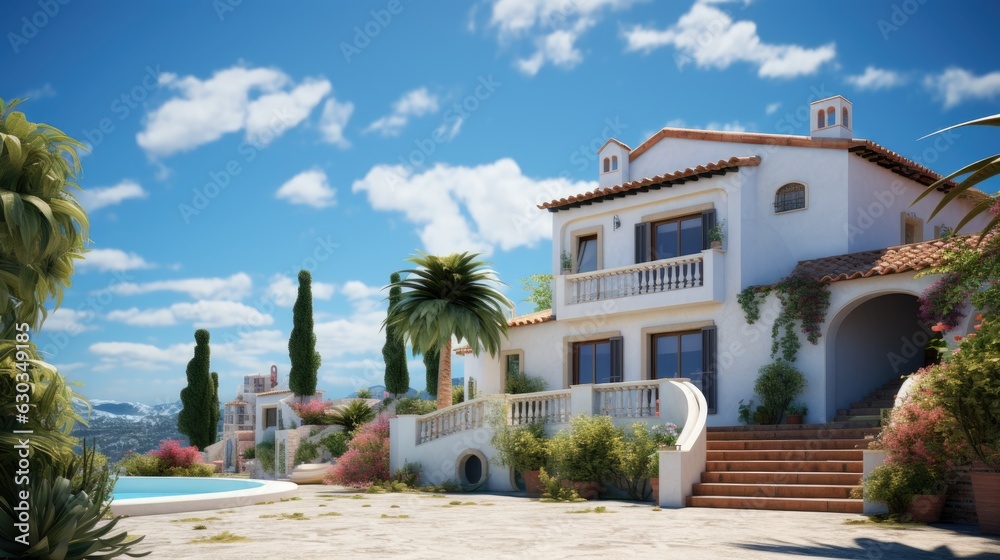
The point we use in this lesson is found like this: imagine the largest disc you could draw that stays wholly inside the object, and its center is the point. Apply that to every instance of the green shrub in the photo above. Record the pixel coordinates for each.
(141, 465)
(895, 484)
(265, 456)
(306, 452)
(249, 453)
(364, 393)
(353, 415)
(587, 452)
(411, 405)
(634, 457)
(457, 394)
(519, 383)
(777, 385)
(335, 443)
(556, 490)
(522, 448)
(408, 474)
(196, 469)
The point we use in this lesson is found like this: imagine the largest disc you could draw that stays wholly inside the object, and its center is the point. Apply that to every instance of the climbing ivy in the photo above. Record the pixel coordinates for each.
(802, 299)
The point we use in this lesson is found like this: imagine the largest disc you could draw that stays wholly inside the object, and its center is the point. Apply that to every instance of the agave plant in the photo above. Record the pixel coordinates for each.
(977, 172)
(353, 415)
(68, 506)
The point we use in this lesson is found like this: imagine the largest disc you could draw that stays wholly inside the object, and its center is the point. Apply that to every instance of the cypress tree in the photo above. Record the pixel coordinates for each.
(397, 377)
(432, 363)
(196, 398)
(213, 432)
(302, 342)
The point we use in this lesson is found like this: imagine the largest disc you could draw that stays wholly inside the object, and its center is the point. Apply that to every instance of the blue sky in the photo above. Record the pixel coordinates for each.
(234, 143)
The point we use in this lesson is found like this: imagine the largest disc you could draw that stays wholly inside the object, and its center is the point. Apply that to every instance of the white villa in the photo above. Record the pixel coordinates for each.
(649, 304)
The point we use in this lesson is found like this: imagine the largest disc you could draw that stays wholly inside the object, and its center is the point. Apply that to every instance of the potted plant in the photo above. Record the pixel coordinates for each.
(654, 475)
(909, 489)
(795, 412)
(715, 235)
(523, 449)
(967, 387)
(585, 455)
(777, 384)
(567, 262)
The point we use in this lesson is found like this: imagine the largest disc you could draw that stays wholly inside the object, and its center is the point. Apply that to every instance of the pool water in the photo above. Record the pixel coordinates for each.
(129, 487)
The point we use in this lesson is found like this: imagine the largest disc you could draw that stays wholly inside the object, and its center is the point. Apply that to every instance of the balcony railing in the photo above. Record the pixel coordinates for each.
(458, 418)
(532, 408)
(645, 278)
(638, 399)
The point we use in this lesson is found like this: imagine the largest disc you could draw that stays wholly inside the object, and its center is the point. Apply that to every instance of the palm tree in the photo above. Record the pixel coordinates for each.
(455, 295)
(977, 173)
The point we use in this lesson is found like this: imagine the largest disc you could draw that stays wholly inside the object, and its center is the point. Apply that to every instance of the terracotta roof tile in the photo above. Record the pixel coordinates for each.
(274, 392)
(717, 168)
(880, 262)
(463, 350)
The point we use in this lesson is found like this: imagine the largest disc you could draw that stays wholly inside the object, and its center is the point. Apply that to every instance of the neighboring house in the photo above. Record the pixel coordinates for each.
(647, 297)
(238, 420)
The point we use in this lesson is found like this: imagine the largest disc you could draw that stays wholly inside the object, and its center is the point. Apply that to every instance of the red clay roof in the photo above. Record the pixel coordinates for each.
(880, 262)
(463, 350)
(720, 167)
(274, 392)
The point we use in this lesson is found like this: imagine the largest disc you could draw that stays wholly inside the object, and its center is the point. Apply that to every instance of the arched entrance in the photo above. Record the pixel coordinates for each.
(873, 340)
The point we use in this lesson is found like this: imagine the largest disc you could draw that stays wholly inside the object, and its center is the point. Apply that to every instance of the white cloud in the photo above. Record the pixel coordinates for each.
(283, 290)
(957, 85)
(709, 37)
(39, 93)
(235, 287)
(333, 121)
(415, 103)
(269, 116)
(69, 320)
(202, 314)
(140, 356)
(449, 132)
(205, 110)
(309, 188)
(458, 208)
(106, 260)
(94, 199)
(772, 108)
(552, 26)
(877, 78)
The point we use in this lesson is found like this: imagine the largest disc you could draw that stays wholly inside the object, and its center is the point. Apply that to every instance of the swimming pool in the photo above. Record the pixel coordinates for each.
(150, 495)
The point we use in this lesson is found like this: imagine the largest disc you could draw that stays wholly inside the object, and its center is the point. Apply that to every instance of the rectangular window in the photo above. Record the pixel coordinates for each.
(586, 254)
(270, 417)
(597, 361)
(513, 364)
(676, 238)
(677, 355)
(912, 229)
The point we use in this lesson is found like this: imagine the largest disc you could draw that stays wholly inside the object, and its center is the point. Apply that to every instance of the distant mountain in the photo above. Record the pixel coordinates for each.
(119, 427)
(379, 390)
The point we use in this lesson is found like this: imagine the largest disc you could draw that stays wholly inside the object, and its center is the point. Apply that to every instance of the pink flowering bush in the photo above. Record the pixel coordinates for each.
(367, 459)
(169, 460)
(921, 432)
(317, 413)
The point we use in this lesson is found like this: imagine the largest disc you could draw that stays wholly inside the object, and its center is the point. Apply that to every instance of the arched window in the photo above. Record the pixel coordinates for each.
(614, 163)
(790, 197)
(831, 116)
(844, 120)
(607, 165)
(820, 119)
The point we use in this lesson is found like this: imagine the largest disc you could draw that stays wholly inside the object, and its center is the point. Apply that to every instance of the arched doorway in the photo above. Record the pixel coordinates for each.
(873, 340)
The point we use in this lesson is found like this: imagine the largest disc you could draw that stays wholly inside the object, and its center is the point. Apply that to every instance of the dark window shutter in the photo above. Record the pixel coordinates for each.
(617, 367)
(707, 223)
(641, 242)
(709, 350)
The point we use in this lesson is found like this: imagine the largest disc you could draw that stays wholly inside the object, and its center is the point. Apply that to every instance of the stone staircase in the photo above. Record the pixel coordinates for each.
(809, 467)
(870, 407)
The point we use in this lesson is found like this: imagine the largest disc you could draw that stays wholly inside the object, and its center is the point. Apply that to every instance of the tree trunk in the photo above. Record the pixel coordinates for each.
(444, 375)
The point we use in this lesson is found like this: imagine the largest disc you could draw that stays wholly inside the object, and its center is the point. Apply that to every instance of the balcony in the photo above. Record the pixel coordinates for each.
(691, 279)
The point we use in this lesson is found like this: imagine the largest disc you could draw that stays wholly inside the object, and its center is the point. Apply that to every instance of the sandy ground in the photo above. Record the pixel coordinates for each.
(506, 526)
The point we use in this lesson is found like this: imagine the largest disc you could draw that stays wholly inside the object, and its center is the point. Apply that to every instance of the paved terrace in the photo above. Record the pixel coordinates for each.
(505, 526)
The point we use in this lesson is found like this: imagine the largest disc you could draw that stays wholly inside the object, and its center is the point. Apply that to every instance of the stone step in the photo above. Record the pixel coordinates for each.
(786, 455)
(773, 444)
(774, 490)
(866, 420)
(874, 403)
(874, 411)
(784, 504)
(772, 477)
(785, 466)
(802, 431)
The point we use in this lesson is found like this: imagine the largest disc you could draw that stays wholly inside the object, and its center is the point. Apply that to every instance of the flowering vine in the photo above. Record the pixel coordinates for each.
(804, 300)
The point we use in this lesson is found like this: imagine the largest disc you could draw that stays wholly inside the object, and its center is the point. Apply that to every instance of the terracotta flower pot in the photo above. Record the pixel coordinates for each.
(793, 418)
(587, 490)
(532, 484)
(655, 483)
(986, 492)
(926, 508)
